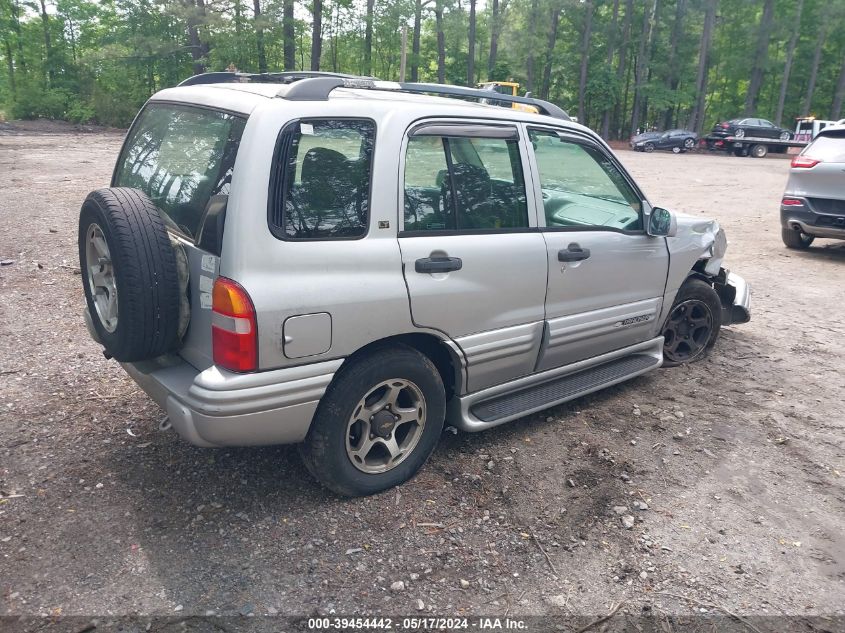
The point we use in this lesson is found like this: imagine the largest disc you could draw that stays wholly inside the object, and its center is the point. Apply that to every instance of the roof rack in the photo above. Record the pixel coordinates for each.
(317, 86)
(286, 77)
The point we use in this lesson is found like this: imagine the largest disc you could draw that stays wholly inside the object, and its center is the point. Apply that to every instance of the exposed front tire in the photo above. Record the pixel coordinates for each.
(129, 274)
(377, 424)
(693, 324)
(796, 239)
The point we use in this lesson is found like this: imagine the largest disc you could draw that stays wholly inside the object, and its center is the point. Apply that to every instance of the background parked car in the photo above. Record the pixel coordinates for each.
(675, 140)
(760, 128)
(813, 204)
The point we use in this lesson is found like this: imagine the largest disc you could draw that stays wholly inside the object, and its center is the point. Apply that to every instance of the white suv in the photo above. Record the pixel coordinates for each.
(350, 264)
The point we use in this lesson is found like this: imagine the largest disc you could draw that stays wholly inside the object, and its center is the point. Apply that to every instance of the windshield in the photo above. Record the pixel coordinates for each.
(180, 156)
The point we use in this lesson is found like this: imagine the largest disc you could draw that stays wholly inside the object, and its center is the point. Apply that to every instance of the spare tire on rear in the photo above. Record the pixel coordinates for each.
(129, 273)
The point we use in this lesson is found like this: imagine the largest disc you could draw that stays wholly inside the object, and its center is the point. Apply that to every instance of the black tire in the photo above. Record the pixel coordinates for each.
(144, 272)
(741, 151)
(689, 143)
(648, 147)
(759, 151)
(796, 239)
(693, 324)
(324, 451)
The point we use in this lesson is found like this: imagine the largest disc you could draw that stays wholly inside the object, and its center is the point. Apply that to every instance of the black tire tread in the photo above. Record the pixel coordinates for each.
(146, 271)
(697, 288)
(792, 239)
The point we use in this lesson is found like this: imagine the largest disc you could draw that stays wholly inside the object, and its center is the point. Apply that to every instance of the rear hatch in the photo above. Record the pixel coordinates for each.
(183, 158)
(818, 173)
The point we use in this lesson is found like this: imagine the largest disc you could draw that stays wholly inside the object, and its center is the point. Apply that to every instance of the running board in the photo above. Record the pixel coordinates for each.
(503, 403)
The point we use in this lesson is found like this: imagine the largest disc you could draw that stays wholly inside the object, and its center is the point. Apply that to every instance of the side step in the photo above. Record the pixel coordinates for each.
(562, 389)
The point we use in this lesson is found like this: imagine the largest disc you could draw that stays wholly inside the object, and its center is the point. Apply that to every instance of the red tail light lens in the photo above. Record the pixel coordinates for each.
(234, 331)
(791, 202)
(804, 161)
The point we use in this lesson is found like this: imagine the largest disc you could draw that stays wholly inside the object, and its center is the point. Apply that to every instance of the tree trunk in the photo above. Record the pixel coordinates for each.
(317, 35)
(611, 43)
(814, 69)
(585, 60)
(471, 51)
(494, 39)
(533, 18)
(787, 67)
(839, 95)
(697, 116)
(441, 42)
(642, 64)
(48, 45)
(368, 40)
(289, 35)
(674, 71)
(196, 45)
(415, 44)
(11, 66)
(546, 86)
(622, 68)
(761, 55)
(259, 37)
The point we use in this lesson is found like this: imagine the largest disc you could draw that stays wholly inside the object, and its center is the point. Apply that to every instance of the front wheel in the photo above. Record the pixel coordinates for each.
(784, 136)
(693, 324)
(377, 424)
(648, 147)
(740, 133)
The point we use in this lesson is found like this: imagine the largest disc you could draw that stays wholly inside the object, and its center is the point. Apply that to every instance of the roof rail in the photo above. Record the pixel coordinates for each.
(319, 88)
(268, 78)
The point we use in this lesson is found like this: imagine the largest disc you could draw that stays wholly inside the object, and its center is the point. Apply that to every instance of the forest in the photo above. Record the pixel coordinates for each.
(618, 65)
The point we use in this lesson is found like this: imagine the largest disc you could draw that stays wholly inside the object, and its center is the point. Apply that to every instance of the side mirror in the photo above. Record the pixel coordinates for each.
(662, 223)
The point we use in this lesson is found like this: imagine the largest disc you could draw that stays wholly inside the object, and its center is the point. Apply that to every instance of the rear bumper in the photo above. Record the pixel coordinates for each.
(220, 408)
(804, 219)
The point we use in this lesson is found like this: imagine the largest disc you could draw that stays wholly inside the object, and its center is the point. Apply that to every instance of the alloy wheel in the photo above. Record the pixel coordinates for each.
(101, 279)
(687, 331)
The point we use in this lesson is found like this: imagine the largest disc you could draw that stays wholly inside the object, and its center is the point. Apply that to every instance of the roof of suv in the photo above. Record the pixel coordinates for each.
(245, 97)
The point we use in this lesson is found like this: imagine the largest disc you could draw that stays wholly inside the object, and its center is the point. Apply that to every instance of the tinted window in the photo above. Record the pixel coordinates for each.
(765, 123)
(827, 147)
(582, 187)
(321, 180)
(180, 156)
(466, 184)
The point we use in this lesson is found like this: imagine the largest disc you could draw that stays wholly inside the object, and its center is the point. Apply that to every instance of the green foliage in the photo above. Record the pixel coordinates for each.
(106, 57)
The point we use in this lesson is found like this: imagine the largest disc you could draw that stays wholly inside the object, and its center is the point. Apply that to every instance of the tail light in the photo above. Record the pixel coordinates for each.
(804, 161)
(234, 332)
(791, 202)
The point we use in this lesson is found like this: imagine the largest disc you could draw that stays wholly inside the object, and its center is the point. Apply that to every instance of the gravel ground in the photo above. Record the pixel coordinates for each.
(716, 486)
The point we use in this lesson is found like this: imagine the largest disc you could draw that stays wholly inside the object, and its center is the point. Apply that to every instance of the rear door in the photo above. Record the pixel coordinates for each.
(473, 260)
(606, 276)
(183, 158)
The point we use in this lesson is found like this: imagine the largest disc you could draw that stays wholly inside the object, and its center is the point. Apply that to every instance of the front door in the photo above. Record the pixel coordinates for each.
(474, 262)
(606, 276)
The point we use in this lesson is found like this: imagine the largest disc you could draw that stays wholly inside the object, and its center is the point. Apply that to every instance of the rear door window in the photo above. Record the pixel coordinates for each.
(180, 156)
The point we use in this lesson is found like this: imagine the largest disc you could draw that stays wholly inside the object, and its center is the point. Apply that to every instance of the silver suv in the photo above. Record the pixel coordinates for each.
(350, 264)
(813, 204)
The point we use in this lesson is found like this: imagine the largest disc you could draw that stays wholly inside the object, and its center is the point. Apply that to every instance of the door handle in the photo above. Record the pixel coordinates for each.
(573, 253)
(438, 264)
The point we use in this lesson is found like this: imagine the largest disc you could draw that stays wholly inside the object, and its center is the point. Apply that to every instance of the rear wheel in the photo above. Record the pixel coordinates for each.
(377, 424)
(689, 143)
(740, 151)
(693, 324)
(759, 151)
(796, 239)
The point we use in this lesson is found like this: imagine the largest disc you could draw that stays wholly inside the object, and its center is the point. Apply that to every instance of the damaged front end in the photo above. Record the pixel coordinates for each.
(709, 240)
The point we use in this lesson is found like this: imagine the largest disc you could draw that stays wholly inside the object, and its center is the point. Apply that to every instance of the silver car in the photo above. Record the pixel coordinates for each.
(352, 264)
(813, 204)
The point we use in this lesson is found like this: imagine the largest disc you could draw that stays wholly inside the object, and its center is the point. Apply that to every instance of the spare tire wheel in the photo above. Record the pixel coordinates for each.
(131, 275)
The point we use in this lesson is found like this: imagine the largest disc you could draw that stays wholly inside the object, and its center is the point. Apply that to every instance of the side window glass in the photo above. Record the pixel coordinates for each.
(321, 184)
(464, 184)
(582, 187)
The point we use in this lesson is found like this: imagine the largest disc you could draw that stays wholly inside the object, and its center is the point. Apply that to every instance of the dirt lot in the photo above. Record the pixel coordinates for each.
(739, 459)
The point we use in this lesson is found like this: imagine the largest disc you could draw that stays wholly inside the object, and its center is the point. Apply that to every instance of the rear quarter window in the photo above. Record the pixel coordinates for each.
(180, 156)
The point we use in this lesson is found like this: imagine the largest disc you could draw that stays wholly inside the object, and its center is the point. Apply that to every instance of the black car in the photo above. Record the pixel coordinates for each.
(675, 140)
(758, 128)
(643, 136)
